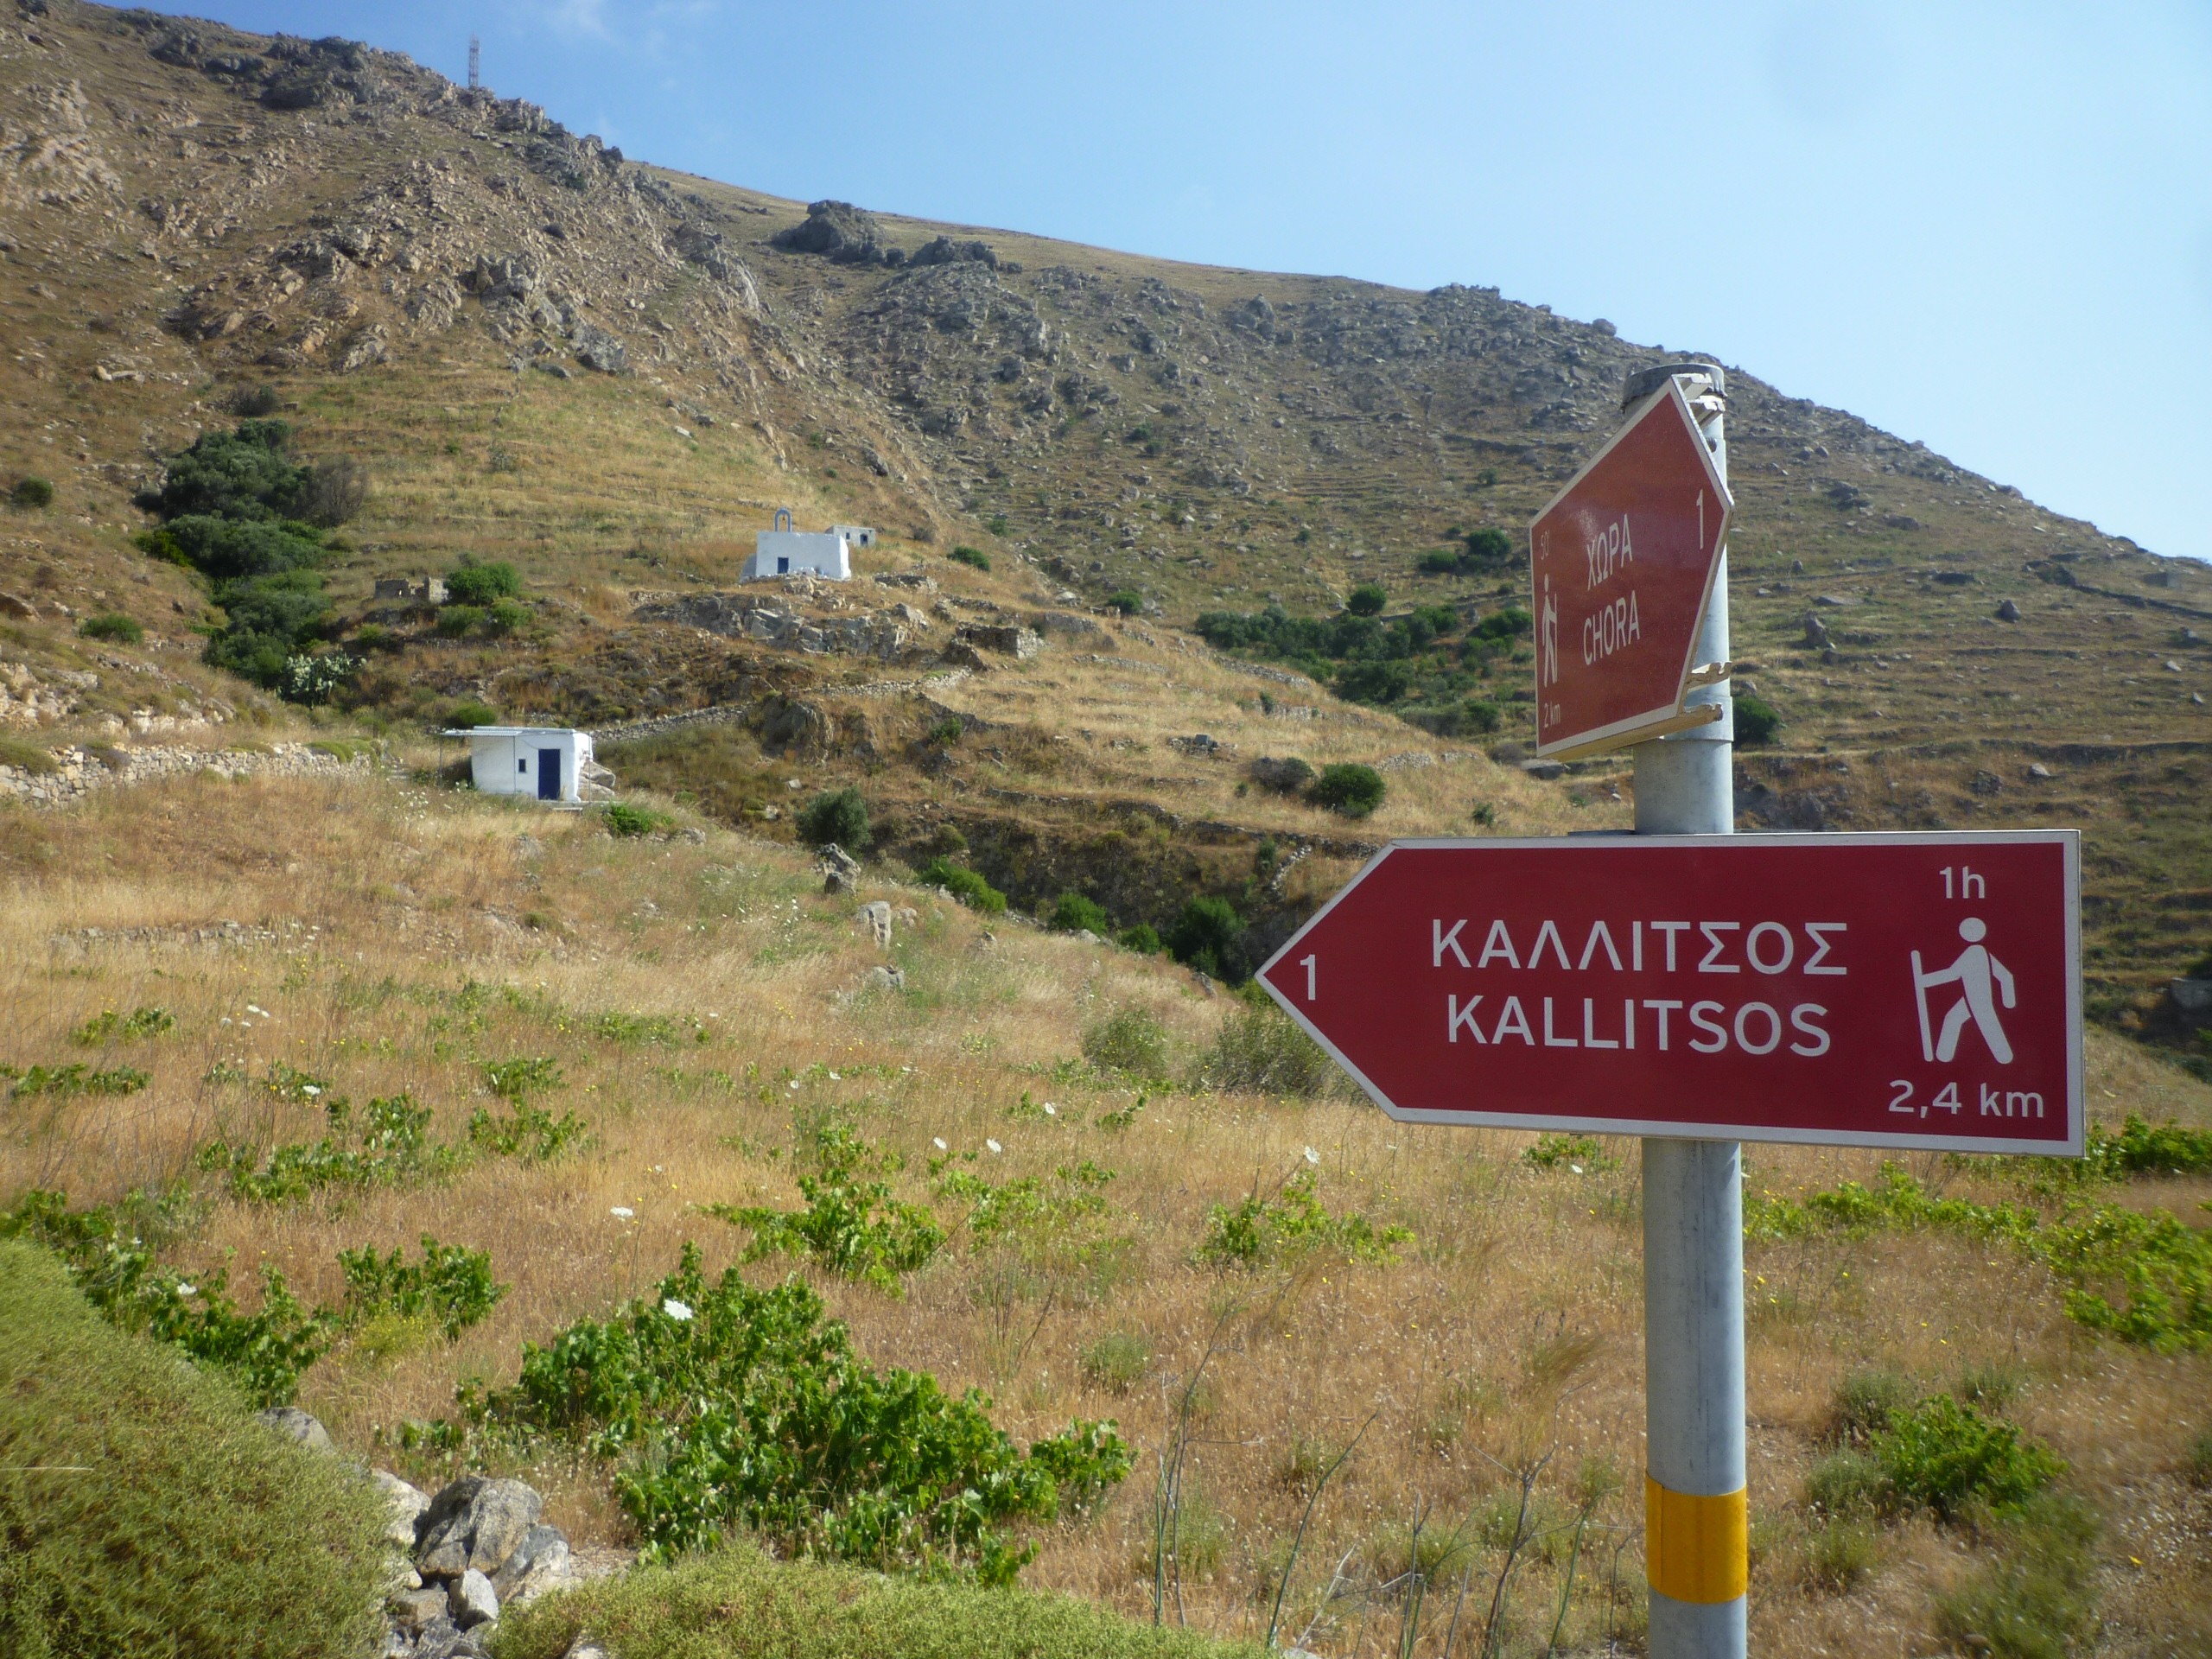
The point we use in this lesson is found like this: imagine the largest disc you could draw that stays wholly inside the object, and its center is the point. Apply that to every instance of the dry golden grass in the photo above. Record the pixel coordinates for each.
(1510, 1329)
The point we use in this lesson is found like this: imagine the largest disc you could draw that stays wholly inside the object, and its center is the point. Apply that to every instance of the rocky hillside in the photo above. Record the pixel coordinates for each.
(609, 375)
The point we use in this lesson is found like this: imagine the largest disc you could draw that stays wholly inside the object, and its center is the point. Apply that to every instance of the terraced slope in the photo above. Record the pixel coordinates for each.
(610, 374)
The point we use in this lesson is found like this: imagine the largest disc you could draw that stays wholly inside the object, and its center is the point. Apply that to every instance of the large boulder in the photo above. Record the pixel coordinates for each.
(837, 230)
(476, 1522)
(296, 1426)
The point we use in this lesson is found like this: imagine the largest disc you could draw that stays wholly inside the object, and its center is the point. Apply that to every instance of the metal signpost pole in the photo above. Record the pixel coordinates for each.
(1695, 1509)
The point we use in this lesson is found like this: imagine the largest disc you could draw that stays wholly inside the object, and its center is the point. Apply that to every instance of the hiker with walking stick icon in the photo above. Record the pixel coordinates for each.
(1975, 973)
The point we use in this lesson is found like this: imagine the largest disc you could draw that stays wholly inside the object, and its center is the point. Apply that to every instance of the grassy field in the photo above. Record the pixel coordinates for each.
(704, 1008)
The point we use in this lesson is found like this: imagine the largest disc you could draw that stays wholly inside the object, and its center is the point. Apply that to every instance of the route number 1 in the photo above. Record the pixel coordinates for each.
(1307, 964)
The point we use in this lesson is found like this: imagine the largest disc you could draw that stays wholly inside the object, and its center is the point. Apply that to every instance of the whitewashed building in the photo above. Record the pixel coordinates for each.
(784, 551)
(857, 537)
(551, 763)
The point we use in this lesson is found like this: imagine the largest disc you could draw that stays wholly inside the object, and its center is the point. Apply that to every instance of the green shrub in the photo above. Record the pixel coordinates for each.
(624, 820)
(1865, 1401)
(517, 1079)
(1116, 1362)
(145, 1512)
(1292, 1224)
(31, 492)
(2038, 1598)
(504, 616)
(1488, 548)
(1126, 600)
(1579, 1153)
(1349, 788)
(1947, 1456)
(974, 558)
(969, 888)
(1438, 562)
(839, 816)
(142, 1022)
(1990, 1386)
(1367, 599)
(1209, 935)
(113, 625)
(1284, 776)
(450, 1284)
(1143, 938)
(27, 757)
(1840, 1553)
(2141, 1148)
(262, 1353)
(1262, 1051)
(245, 473)
(1755, 719)
(466, 716)
(728, 1407)
(851, 1226)
(1076, 913)
(481, 584)
(1130, 1039)
(1848, 1485)
(1509, 623)
(742, 1604)
(530, 1133)
(390, 1145)
(68, 1082)
(455, 620)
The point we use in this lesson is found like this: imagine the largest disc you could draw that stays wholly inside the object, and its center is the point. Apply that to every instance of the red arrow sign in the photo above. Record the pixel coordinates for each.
(1620, 568)
(1897, 990)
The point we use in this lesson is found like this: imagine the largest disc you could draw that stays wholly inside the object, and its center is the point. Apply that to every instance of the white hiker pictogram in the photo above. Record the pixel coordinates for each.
(1550, 634)
(1976, 973)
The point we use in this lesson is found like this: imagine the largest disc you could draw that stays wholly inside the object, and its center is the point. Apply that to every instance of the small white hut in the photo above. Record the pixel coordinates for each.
(552, 763)
(857, 537)
(784, 551)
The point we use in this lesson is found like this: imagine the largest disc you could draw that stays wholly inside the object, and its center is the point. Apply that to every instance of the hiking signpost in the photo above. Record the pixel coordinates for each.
(1621, 566)
(1690, 985)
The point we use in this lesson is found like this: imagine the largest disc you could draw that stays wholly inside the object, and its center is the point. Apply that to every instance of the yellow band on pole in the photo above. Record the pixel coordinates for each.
(1696, 1548)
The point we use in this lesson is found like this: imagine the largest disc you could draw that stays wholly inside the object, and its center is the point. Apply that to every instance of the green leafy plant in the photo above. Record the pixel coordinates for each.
(1937, 1455)
(2034, 1596)
(624, 820)
(1128, 1039)
(1077, 912)
(466, 716)
(451, 1285)
(850, 1226)
(728, 1407)
(839, 817)
(456, 620)
(1141, 937)
(389, 1146)
(1367, 599)
(963, 884)
(1116, 1362)
(1289, 1223)
(1262, 1050)
(31, 492)
(530, 1133)
(1757, 722)
(1126, 601)
(1349, 788)
(974, 558)
(67, 1081)
(1583, 1153)
(142, 1022)
(114, 626)
(1209, 935)
(481, 584)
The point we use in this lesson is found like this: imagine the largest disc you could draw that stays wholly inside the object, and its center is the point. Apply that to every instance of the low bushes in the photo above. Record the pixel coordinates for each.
(963, 884)
(728, 1407)
(1292, 1224)
(973, 557)
(112, 626)
(144, 1512)
(1936, 1454)
(1128, 1039)
(1076, 912)
(1350, 788)
(740, 1603)
(850, 1226)
(31, 492)
(1260, 1049)
(839, 817)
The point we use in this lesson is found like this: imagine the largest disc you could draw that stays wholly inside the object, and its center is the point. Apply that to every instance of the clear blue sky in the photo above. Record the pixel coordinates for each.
(1986, 226)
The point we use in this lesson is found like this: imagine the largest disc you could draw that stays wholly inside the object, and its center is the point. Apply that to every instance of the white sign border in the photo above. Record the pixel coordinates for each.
(1619, 732)
(2077, 1105)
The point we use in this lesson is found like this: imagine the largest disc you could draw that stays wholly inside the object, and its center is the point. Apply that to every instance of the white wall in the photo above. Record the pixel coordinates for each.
(509, 764)
(783, 552)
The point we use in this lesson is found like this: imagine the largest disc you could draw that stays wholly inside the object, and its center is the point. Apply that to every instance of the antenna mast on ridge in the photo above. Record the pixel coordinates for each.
(475, 63)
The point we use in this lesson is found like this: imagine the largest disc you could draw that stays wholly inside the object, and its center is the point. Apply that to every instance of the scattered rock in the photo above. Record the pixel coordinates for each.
(2038, 770)
(1816, 632)
(2008, 611)
(295, 1425)
(414, 1610)
(876, 918)
(597, 349)
(473, 1601)
(476, 1522)
(840, 871)
(407, 1504)
(838, 231)
(879, 978)
(1007, 640)
(18, 606)
(1202, 745)
(943, 251)
(1544, 770)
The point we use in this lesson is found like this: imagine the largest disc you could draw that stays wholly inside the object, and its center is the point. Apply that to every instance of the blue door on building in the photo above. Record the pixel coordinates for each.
(548, 774)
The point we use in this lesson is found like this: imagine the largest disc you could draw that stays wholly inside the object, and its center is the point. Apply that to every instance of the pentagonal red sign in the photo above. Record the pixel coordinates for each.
(1885, 990)
(1620, 569)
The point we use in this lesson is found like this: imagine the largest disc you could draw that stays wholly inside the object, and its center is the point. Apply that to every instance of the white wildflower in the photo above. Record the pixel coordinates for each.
(185, 1289)
(1577, 1168)
(622, 1212)
(937, 1140)
(1051, 1110)
(674, 1309)
(994, 1147)
(310, 1090)
(1312, 1156)
(833, 1077)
